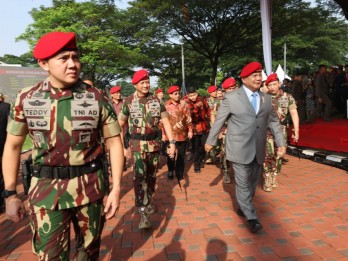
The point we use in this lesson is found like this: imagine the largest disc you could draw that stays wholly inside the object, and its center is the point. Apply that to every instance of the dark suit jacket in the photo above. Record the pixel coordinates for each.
(246, 130)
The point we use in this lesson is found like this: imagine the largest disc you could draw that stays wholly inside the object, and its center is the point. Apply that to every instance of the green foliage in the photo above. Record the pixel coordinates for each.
(219, 37)
(105, 57)
(24, 60)
(27, 144)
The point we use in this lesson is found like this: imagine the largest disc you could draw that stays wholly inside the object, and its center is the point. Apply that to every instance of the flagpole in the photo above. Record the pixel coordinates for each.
(285, 56)
(183, 87)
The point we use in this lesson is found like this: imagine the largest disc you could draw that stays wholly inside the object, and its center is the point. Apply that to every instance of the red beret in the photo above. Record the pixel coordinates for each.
(173, 89)
(140, 75)
(212, 88)
(115, 89)
(271, 78)
(54, 42)
(250, 68)
(228, 83)
(159, 90)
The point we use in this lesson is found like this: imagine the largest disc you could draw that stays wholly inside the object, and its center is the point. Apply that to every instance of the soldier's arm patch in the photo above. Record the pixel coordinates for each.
(122, 117)
(164, 114)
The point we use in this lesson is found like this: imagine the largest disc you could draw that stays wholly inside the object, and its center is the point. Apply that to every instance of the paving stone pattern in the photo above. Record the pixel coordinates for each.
(306, 218)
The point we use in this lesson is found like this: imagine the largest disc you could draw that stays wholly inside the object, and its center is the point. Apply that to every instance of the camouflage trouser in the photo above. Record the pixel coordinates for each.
(51, 231)
(145, 166)
(223, 161)
(273, 164)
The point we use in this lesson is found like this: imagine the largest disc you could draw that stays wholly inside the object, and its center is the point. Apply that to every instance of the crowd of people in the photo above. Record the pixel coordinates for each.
(73, 125)
(322, 94)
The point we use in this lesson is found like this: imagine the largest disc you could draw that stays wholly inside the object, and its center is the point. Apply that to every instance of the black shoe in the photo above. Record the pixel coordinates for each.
(254, 225)
(240, 213)
(202, 165)
(179, 176)
(197, 169)
(284, 160)
(170, 175)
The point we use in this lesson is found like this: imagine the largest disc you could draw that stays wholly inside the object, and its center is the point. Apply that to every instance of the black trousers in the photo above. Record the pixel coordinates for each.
(178, 165)
(199, 152)
(2, 184)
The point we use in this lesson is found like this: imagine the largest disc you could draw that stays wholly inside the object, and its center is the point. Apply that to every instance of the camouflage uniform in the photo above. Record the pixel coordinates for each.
(66, 128)
(224, 165)
(143, 115)
(213, 105)
(282, 103)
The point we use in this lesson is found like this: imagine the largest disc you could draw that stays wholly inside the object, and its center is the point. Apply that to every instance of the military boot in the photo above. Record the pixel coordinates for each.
(267, 183)
(274, 180)
(226, 176)
(144, 219)
(151, 209)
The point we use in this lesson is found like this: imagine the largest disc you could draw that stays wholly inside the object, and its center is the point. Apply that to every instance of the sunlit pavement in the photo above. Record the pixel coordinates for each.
(306, 218)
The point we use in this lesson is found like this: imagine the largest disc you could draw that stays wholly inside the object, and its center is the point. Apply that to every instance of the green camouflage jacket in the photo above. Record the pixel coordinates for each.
(66, 128)
(143, 115)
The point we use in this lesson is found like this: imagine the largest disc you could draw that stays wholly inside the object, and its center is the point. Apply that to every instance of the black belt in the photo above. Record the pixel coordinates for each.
(147, 137)
(66, 172)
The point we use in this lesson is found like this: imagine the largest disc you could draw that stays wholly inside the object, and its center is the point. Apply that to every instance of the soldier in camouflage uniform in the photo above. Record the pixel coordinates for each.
(143, 111)
(228, 85)
(66, 120)
(213, 102)
(283, 104)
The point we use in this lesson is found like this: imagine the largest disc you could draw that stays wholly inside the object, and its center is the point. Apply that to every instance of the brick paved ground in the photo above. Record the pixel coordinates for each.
(306, 218)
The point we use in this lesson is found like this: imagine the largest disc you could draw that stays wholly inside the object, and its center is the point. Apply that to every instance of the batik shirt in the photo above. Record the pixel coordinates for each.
(200, 115)
(180, 120)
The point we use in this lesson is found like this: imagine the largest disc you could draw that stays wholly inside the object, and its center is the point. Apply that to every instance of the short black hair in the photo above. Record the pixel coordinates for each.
(191, 89)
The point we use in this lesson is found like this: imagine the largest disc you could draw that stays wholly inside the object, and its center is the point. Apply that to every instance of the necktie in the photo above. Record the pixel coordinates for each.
(253, 101)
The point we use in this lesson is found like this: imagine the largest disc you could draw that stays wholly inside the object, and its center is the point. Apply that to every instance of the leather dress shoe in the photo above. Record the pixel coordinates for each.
(240, 213)
(180, 177)
(254, 225)
(284, 160)
(197, 169)
(170, 175)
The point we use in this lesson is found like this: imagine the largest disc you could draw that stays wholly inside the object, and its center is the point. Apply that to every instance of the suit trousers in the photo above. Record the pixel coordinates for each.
(247, 177)
(178, 165)
(199, 152)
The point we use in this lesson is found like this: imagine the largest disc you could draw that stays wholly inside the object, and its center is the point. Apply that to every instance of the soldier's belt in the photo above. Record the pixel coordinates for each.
(148, 137)
(66, 172)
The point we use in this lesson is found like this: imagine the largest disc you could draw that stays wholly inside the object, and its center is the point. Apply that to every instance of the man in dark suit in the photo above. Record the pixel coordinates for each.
(4, 111)
(248, 113)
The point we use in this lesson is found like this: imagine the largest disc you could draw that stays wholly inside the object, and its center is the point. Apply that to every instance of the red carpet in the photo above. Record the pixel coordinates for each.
(323, 135)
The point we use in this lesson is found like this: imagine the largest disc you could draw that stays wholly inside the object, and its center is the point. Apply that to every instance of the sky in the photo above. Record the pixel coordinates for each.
(15, 18)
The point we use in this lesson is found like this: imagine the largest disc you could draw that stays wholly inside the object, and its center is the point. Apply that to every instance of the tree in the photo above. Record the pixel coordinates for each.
(313, 35)
(24, 60)
(210, 28)
(104, 58)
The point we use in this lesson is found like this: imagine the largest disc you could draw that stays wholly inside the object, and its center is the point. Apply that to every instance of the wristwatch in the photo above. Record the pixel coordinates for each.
(172, 142)
(7, 193)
